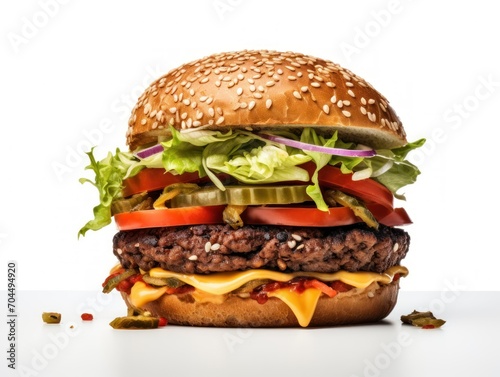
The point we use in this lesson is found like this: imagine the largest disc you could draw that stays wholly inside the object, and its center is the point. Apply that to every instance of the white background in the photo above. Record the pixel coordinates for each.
(71, 71)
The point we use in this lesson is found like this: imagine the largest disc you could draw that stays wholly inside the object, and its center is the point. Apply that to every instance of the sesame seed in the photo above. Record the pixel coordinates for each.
(296, 237)
(363, 101)
(291, 244)
(371, 101)
(243, 105)
(326, 109)
(260, 88)
(252, 88)
(257, 95)
(340, 103)
(219, 121)
(372, 117)
(209, 100)
(204, 80)
(184, 115)
(270, 83)
(346, 103)
(333, 99)
(330, 84)
(371, 294)
(297, 94)
(208, 246)
(193, 257)
(196, 123)
(251, 105)
(292, 78)
(363, 110)
(349, 84)
(315, 84)
(143, 122)
(211, 111)
(203, 98)
(186, 102)
(119, 251)
(219, 110)
(351, 93)
(301, 246)
(269, 103)
(304, 89)
(240, 76)
(239, 91)
(215, 246)
(346, 113)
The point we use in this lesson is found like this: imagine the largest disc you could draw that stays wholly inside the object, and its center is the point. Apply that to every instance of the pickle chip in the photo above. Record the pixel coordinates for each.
(425, 320)
(135, 322)
(51, 317)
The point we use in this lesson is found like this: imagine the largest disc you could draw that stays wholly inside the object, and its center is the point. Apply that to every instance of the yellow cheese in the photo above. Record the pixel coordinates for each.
(302, 304)
(225, 282)
(214, 287)
(141, 294)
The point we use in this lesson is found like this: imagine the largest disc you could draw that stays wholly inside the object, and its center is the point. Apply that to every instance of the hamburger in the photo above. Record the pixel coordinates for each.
(258, 191)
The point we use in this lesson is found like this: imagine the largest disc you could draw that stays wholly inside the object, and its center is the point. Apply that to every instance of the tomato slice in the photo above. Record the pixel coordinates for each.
(396, 218)
(285, 216)
(151, 179)
(169, 217)
(367, 190)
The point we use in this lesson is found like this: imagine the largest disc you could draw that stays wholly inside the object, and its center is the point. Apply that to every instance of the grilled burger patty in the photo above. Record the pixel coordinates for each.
(204, 249)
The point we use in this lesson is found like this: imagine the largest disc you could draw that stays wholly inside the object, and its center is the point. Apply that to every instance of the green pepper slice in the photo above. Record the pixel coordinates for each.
(359, 209)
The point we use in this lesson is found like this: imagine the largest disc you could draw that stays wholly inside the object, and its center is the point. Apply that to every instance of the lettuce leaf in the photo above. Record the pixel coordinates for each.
(247, 157)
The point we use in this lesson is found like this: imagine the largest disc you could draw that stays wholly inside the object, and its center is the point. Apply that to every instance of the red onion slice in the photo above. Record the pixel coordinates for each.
(319, 148)
(150, 151)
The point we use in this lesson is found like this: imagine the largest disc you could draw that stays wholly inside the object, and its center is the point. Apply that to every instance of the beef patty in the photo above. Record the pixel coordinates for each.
(204, 249)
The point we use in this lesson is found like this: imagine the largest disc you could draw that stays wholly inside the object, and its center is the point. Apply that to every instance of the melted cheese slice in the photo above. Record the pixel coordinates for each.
(218, 284)
(302, 305)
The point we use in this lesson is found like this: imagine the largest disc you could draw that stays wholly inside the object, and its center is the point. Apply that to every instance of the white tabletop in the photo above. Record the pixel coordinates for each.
(464, 346)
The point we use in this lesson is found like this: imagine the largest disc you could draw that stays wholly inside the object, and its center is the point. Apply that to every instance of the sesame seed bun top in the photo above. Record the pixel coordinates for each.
(265, 89)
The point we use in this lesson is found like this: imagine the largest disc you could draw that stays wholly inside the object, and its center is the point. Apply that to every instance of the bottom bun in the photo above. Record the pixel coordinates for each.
(353, 307)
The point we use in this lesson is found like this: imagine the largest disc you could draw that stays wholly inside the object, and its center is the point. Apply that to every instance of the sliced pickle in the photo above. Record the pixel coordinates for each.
(161, 282)
(51, 317)
(359, 209)
(250, 286)
(135, 322)
(128, 205)
(242, 196)
(422, 319)
(115, 280)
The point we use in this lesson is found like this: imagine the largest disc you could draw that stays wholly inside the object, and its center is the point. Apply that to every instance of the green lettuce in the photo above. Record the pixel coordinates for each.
(248, 158)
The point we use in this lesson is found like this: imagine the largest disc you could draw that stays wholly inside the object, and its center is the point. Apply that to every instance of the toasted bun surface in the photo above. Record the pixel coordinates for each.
(265, 89)
(353, 307)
